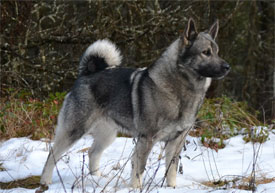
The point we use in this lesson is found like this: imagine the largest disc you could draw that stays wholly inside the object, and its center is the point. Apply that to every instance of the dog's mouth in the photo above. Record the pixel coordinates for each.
(215, 72)
(225, 69)
(222, 76)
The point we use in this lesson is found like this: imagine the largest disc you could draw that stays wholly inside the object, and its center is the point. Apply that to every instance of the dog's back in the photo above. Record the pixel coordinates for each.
(111, 91)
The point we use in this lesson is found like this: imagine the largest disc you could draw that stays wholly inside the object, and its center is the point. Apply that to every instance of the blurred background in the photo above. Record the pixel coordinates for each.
(41, 43)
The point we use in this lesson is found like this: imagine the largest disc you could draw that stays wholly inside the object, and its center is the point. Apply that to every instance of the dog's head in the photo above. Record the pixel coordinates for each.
(200, 52)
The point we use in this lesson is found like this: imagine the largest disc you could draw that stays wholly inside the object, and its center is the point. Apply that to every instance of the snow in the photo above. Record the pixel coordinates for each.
(22, 157)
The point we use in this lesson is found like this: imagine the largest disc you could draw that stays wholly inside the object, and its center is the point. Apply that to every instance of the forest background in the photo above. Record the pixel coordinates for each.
(42, 42)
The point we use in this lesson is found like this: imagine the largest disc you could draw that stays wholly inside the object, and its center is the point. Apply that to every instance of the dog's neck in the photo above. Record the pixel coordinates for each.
(196, 83)
(165, 73)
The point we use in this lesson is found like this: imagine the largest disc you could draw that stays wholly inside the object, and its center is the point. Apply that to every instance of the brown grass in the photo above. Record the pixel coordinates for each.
(29, 183)
(241, 183)
(1, 167)
(21, 116)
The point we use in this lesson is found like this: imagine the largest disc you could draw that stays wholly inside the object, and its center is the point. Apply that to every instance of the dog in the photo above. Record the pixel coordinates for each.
(157, 103)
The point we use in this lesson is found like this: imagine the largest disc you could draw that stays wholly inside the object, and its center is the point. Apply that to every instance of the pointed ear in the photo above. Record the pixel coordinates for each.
(213, 31)
(190, 30)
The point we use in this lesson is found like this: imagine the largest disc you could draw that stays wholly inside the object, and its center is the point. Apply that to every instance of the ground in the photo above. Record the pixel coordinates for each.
(203, 169)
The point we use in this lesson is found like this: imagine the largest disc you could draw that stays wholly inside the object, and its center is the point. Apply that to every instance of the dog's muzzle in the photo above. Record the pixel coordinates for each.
(226, 67)
(224, 70)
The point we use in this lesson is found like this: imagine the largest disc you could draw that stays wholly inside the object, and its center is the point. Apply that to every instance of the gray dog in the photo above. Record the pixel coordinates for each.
(158, 103)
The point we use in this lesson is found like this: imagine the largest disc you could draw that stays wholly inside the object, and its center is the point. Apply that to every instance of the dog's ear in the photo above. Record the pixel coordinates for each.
(190, 31)
(213, 30)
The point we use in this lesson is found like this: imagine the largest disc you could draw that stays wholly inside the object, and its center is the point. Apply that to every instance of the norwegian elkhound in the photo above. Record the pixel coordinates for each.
(158, 103)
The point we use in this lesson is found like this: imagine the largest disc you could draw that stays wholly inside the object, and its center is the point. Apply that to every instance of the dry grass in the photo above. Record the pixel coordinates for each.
(241, 183)
(21, 115)
(29, 183)
(238, 182)
(1, 167)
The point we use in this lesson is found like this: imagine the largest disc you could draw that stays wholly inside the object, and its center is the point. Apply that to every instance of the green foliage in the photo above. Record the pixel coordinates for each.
(223, 112)
(21, 115)
(256, 135)
(222, 118)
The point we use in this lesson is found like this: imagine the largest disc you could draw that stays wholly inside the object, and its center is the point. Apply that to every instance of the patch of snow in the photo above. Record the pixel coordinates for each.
(22, 157)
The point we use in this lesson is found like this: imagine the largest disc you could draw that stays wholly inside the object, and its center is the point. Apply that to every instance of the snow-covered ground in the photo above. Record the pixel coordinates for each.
(22, 157)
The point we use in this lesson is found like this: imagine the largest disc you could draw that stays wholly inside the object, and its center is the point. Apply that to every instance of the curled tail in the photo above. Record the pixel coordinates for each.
(98, 56)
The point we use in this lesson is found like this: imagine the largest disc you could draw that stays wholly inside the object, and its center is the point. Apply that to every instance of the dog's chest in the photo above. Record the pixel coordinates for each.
(183, 120)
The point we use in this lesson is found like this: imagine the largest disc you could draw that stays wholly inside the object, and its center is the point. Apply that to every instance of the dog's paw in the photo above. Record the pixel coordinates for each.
(171, 184)
(42, 188)
(96, 173)
(135, 184)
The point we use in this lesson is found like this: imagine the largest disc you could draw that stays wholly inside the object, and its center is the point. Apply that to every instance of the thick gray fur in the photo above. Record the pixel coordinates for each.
(158, 103)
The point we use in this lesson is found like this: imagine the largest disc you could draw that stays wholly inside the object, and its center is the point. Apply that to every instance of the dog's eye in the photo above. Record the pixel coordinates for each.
(207, 52)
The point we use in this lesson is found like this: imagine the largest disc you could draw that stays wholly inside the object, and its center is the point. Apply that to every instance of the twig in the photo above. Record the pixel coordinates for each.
(122, 169)
(62, 183)
(118, 162)
(82, 174)
(215, 164)
(204, 164)
(252, 183)
(209, 161)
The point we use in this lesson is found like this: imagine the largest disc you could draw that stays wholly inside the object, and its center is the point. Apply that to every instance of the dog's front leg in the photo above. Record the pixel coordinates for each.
(142, 150)
(172, 151)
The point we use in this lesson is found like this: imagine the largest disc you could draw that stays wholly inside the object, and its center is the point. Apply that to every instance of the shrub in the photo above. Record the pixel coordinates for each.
(21, 115)
(221, 118)
(256, 135)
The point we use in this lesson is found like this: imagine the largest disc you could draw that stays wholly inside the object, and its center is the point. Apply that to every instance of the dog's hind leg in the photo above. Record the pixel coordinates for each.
(60, 146)
(69, 129)
(103, 135)
(172, 151)
(62, 142)
(142, 150)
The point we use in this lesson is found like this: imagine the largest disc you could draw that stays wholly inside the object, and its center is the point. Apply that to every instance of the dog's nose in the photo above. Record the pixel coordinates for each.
(226, 66)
